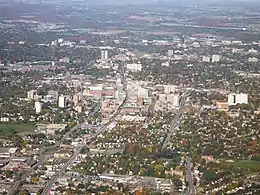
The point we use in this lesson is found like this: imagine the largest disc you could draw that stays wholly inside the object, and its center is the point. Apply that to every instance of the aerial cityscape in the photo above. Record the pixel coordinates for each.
(129, 97)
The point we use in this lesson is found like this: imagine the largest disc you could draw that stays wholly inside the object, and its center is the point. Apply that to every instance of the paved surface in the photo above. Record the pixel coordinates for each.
(132, 181)
(189, 175)
(78, 150)
(174, 126)
(26, 174)
(176, 122)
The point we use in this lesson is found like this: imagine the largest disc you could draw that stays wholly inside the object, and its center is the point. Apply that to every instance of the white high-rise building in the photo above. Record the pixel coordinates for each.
(215, 58)
(62, 101)
(142, 92)
(104, 55)
(76, 99)
(38, 107)
(234, 99)
(170, 53)
(206, 59)
(176, 101)
(60, 40)
(31, 94)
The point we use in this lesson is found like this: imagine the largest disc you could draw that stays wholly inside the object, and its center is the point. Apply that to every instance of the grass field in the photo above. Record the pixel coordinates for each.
(16, 128)
(251, 164)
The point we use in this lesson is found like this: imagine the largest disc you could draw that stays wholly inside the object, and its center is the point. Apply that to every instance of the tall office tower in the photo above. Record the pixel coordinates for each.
(31, 94)
(1, 84)
(38, 107)
(104, 55)
(62, 101)
(215, 58)
(234, 99)
(206, 59)
(76, 99)
(170, 53)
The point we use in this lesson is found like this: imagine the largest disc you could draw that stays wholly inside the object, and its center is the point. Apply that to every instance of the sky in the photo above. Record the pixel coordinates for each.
(168, 1)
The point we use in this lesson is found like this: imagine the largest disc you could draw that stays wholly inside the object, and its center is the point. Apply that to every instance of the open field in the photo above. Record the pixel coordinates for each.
(16, 128)
(250, 164)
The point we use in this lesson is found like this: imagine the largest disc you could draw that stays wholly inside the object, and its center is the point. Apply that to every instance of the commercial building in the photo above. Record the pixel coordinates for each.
(134, 67)
(170, 53)
(50, 128)
(206, 59)
(169, 89)
(31, 94)
(60, 40)
(215, 58)
(62, 101)
(234, 99)
(253, 59)
(104, 55)
(142, 92)
(38, 107)
(222, 105)
(173, 99)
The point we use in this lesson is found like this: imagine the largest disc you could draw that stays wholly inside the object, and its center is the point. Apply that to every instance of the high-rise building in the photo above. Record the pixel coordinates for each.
(31, 94)
(215, 58)
(60, 40)
(142, 92)
(1, 83)
(234, 99)
(62, 101)
(170, 53)
(104, 55)
(76, 99)
(38, 107)
(206, 59)
(54, 94)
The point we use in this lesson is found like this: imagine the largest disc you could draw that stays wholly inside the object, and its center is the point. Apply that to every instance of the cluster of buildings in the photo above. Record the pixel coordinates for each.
(54, 97)
(233, 99)
(168, 98)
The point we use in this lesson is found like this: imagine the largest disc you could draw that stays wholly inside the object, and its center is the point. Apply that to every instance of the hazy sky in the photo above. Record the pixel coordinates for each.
(168, 1)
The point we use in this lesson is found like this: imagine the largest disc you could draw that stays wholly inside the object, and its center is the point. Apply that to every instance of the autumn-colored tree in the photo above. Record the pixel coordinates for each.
(130, 148)
(138, 192)
(25, 192)
(35, 180)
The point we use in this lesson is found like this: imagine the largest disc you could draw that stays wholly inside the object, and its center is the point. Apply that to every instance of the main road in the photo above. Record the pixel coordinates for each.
(189, 176)
(176, 122)
(78, 149)
(24, 175)
(174, 126)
